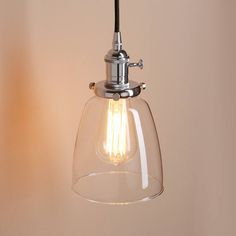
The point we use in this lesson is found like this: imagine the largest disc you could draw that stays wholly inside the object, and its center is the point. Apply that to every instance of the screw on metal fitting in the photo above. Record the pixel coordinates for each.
(137, 64)
(116, 96)
(92, 85)
(143, 86)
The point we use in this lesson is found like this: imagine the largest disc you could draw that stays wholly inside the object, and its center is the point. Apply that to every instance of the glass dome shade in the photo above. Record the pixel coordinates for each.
(117, 158)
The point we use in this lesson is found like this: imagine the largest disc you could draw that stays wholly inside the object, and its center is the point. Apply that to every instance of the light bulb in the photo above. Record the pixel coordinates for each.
(117, 138)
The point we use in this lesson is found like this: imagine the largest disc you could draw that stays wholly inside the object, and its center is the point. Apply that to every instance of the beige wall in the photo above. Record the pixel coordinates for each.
(50, 51)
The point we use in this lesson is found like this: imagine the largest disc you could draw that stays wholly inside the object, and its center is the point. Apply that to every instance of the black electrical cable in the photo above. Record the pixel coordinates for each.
(117, 16)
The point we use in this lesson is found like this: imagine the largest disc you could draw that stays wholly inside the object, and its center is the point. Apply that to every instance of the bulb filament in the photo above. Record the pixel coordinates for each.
(117, 132)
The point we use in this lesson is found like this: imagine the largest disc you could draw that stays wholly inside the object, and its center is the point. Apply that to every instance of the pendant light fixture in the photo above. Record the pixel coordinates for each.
(117, 158)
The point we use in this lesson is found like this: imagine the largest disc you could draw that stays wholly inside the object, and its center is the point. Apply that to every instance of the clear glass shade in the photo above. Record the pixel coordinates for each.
(117, 158)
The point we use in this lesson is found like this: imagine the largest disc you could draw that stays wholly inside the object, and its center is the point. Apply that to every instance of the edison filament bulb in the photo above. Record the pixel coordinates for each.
(117, 136)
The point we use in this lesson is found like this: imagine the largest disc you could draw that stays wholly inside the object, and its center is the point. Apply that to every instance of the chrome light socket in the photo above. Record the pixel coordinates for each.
(117, 84)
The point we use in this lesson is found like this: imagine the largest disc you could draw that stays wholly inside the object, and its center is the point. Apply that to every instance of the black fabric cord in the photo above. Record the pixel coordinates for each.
(117, 15)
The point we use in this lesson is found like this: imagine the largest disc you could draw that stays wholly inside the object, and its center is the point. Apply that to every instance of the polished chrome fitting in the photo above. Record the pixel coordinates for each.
(117, 84)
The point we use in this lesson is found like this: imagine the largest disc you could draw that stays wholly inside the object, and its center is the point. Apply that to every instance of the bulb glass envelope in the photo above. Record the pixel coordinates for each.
(117, 158)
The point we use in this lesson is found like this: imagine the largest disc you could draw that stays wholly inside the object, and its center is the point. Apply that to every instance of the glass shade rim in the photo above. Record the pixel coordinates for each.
(141, 199)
